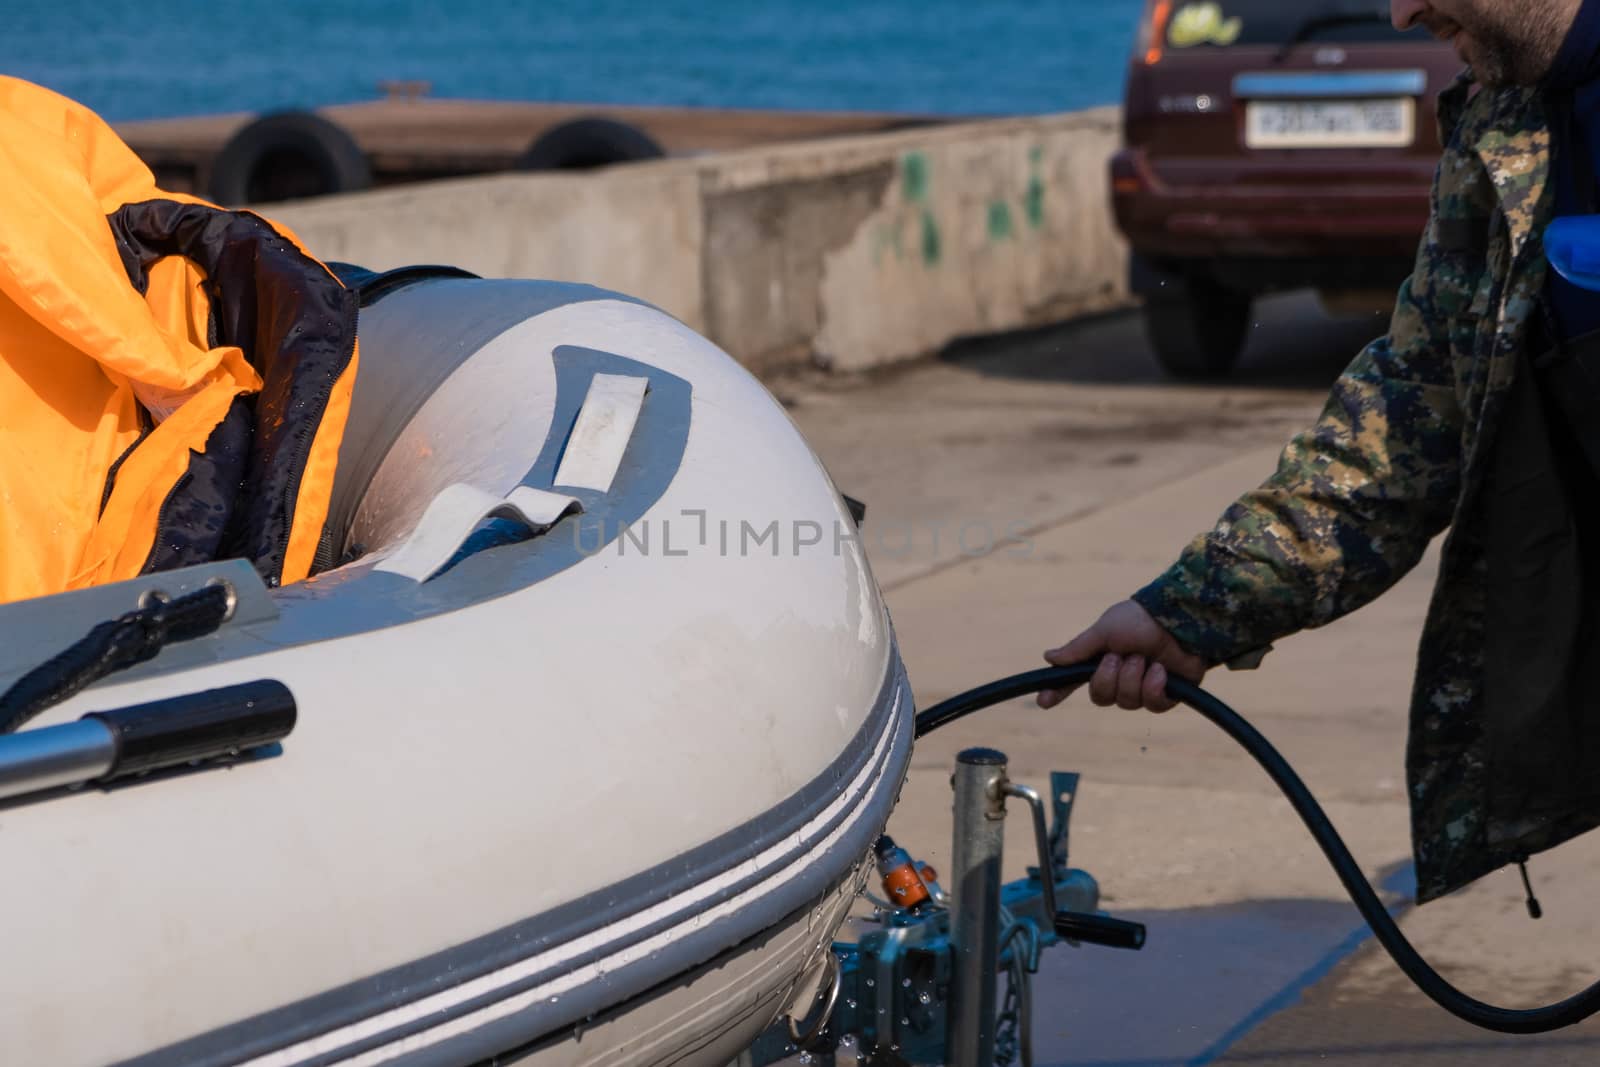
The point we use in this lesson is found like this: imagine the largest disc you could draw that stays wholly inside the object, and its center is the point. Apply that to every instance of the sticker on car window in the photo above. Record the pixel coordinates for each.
(1203, 23)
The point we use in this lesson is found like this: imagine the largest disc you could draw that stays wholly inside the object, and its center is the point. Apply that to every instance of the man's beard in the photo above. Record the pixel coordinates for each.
(1509, 48)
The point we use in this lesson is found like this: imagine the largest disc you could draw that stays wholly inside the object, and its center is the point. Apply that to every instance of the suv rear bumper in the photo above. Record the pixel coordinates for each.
(1255, 275)
(1267, 209)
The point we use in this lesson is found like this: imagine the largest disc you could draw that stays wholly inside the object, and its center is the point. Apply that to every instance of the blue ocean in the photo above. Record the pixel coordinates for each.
(160, 58)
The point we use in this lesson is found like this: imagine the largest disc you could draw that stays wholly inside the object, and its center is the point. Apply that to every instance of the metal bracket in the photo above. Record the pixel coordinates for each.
(1063, 791)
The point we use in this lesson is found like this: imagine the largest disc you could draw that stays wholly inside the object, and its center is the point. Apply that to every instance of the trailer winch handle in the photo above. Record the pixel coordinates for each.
(1100, 930)
(1073, 925)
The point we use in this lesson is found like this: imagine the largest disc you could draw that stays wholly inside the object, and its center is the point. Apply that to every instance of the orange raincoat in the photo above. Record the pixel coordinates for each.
(174, 378)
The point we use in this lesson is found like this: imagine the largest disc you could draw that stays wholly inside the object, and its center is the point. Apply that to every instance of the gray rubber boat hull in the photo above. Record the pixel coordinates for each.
(597, 789)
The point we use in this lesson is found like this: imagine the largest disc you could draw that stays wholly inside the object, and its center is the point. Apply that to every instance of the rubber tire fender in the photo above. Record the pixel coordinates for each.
(288, 155)
(585, 143)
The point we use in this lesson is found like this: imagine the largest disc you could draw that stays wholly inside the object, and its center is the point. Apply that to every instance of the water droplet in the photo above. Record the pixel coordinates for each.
(850, 1003)
(806, 1058)
(905, 983)
(554, 999)
(904, 1021)
(924, 998)
(870, 983)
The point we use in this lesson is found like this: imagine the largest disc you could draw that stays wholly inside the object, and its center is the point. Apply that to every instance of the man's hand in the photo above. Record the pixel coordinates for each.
(1138, 654)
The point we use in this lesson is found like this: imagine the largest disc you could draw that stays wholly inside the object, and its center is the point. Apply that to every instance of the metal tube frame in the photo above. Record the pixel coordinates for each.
(980, 810)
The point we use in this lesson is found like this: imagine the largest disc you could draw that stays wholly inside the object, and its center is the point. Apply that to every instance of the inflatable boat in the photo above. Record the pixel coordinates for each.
(599, 713)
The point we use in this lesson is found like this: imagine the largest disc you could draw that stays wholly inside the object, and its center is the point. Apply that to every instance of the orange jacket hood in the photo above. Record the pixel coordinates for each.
(174, 378)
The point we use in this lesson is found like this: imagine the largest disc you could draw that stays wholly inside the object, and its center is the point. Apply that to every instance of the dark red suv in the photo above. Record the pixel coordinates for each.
(1271, 144)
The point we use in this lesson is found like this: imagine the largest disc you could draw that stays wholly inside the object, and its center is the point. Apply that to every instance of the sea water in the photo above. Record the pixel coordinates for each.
(158, 58)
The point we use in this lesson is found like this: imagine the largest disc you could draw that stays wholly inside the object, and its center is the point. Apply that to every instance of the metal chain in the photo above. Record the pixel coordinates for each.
(1013, 1038)
(1005, 1030)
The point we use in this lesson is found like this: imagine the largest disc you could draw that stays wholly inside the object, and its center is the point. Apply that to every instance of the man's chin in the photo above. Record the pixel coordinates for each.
(1487, 71)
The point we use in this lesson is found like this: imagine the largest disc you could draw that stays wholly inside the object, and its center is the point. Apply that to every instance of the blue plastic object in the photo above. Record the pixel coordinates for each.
(1572, 244)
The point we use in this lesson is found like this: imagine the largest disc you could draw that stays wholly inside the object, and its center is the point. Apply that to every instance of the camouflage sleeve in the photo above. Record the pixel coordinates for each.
(1353, 504)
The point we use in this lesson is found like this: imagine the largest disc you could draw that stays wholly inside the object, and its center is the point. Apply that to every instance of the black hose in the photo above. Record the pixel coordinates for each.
(1574, 1009)
(113, 646)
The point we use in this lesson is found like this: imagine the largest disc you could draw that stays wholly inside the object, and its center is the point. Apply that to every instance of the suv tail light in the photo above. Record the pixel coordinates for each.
(1153, 31)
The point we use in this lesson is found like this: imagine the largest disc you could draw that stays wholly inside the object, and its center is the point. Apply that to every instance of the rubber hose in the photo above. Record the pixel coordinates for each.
(1565, 1013)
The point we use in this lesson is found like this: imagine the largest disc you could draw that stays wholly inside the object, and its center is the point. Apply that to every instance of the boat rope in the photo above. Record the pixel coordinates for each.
(1539, 1020)
(115, 645)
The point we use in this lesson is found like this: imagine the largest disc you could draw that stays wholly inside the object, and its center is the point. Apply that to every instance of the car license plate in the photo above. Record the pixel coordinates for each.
(1389, 123)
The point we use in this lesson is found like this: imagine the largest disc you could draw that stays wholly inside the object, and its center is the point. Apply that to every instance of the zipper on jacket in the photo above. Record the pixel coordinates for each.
(164, 518)
(145, 426)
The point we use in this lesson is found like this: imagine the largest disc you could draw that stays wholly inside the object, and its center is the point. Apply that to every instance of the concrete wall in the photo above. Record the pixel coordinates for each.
(848, 253)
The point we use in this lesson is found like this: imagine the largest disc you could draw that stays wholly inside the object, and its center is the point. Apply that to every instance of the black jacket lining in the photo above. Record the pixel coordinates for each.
(296, 324)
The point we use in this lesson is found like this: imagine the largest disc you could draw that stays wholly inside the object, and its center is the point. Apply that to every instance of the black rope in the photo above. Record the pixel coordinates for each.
(1574, 1009)
(113, 646)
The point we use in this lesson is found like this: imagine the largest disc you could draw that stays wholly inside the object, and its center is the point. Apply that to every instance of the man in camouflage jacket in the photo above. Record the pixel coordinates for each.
(1398, 455)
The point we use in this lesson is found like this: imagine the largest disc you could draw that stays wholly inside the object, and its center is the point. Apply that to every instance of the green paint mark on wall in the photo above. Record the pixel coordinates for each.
(930, 240)
(1033, 199)
(914, 177)
(1033, 202)
(1000, 227)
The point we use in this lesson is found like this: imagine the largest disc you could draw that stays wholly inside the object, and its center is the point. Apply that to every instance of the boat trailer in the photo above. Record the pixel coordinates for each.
(924, 987)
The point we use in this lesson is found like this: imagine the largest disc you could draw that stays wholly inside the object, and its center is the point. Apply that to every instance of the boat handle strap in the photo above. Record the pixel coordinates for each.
(456, 512)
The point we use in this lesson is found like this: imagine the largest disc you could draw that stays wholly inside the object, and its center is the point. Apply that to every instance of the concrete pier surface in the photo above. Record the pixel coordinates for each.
(410, 137)
(1070, 438)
